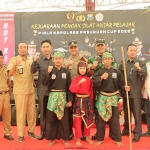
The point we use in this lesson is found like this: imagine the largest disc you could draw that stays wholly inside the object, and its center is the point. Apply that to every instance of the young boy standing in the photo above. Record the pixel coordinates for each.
(109, 81)
(57, 120)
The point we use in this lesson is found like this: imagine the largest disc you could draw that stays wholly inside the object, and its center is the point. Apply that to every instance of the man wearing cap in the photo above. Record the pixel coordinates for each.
(24, 93)
(95, 64)
(71, 63)
(58, 80)
(108, 81)
(140, 56)
(41, 64)
(31, 49)
(136, 72)
(5, 97)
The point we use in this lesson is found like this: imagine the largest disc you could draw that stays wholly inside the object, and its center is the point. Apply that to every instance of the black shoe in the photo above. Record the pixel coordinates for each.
(8, 137)
(32, 135)
(145, 134)
(41, 137)
(135, 139)
(124, 133)
(83, 138)
(94, 137)
(20, 139)
(71, 136)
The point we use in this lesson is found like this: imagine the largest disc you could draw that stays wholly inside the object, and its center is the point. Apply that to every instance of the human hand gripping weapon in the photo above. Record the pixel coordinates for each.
(127, 95)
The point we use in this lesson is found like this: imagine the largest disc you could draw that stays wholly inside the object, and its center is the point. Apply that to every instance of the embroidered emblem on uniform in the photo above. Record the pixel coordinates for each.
(114, 75)
(53, 76)
(63, 75)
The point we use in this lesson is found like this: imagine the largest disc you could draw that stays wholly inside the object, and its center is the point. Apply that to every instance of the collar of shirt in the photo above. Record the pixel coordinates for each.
(97, 55)
(57, 68)
(74, 59)
(46, 58)
(134, 60)
(20, 58)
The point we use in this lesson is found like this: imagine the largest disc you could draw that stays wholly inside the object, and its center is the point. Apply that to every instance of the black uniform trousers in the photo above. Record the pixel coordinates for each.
(135, 108)
(57, 129)
(42, 108)
(114, 123)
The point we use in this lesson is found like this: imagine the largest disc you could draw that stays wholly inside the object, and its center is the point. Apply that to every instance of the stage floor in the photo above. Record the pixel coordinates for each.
(30, 144)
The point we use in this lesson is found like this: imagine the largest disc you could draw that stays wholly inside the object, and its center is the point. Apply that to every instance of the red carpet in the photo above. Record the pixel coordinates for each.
(30, 144)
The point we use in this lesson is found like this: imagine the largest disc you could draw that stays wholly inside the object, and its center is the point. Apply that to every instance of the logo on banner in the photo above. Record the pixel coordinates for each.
(99, 17)
(80, 17)
(90, 17)
(70, 17)
(35, 32)
(132, 30)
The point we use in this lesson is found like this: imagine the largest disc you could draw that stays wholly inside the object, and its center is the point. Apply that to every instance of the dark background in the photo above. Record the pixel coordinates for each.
(24, 32)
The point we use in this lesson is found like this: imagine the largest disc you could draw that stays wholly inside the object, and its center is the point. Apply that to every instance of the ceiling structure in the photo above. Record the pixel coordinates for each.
(70, 5)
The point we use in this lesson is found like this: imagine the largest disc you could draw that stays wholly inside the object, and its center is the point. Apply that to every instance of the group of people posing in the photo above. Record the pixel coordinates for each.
(74, 91)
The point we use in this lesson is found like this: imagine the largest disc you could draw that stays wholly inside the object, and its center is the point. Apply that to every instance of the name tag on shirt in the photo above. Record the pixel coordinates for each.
(114, 75)
(20, 70)
(63, 75)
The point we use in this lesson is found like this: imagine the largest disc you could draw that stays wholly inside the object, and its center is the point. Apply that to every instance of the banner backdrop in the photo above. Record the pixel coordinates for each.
(7, 35)
(118, 28)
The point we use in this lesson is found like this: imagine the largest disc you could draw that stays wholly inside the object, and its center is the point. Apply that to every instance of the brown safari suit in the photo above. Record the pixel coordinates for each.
(5, 109)
(24, 94)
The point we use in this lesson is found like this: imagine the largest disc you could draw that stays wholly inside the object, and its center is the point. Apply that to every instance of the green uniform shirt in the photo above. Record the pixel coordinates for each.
(100, 65)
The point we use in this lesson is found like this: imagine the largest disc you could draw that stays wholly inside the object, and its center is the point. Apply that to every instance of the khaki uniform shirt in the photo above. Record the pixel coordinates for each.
(73, 68)
(22, 78)
(4, 79)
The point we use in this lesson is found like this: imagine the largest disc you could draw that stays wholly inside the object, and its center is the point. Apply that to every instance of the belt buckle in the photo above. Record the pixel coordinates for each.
(3, 92)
